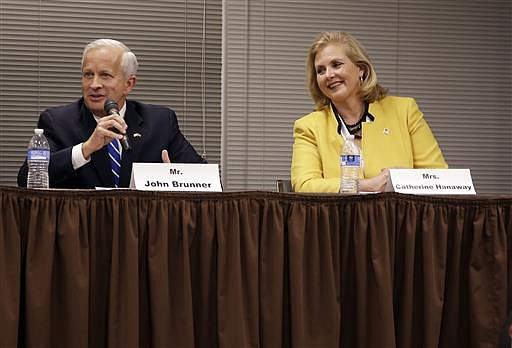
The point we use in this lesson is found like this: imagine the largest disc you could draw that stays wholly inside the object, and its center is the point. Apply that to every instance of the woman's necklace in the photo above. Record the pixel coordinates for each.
(357, 128)
(354, 129)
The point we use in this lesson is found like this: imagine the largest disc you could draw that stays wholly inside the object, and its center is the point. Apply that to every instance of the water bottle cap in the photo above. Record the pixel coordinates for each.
(38, 131)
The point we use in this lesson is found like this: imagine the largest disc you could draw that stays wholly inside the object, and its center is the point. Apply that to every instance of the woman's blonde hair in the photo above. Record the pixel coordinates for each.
(370, 90)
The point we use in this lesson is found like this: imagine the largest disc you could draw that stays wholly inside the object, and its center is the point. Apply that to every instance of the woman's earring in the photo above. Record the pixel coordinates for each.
(361, 79)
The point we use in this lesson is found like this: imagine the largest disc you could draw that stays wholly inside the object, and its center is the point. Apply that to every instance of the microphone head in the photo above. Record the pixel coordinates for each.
(110, 106)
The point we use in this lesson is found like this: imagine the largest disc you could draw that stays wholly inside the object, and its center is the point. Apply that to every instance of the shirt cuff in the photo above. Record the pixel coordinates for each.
(77, 157)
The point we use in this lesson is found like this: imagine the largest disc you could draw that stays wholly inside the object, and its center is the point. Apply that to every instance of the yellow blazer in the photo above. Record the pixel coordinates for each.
(399, 137)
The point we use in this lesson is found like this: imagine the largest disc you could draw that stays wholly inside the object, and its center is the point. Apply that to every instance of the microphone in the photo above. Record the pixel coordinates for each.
(111, 108)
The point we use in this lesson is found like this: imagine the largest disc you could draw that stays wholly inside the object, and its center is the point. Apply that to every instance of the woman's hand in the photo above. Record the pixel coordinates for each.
(376, 184)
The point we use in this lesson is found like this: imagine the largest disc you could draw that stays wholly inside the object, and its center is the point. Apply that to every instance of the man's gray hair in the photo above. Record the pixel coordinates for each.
(129, 62)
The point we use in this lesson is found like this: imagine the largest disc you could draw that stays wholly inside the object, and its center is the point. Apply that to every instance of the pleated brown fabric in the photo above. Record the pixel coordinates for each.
(252, 269)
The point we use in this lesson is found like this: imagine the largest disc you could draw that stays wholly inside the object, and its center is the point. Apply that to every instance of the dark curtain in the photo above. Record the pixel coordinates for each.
(253, 269)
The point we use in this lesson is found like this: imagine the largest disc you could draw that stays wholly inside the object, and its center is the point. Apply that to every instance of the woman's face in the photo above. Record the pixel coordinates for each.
(337, 77)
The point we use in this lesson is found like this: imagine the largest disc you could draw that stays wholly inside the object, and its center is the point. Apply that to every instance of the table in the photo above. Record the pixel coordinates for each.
(125, 268)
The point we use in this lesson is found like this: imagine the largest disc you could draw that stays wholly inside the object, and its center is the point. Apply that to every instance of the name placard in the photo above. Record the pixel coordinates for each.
(431, 181)
(176, 177)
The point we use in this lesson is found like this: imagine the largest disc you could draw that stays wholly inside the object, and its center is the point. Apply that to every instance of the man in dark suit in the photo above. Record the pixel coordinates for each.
(79, 133)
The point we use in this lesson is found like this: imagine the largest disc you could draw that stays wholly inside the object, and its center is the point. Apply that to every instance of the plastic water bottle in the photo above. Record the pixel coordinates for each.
(350, 165)
(38, 158)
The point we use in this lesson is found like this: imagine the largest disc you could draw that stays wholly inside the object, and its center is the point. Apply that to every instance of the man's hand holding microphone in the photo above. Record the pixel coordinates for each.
(109, 127)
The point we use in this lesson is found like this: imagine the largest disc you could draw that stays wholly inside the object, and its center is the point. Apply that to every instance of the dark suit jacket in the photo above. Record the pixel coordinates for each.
(68, 125)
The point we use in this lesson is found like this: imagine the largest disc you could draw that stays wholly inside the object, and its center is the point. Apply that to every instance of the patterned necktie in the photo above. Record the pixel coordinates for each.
(114, 152)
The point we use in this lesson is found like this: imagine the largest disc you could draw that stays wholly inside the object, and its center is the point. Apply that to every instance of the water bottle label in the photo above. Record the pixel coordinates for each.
(38, 155)
(350, 160)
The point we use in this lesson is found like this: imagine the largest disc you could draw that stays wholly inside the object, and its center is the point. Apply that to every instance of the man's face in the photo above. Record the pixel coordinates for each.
(103, 77)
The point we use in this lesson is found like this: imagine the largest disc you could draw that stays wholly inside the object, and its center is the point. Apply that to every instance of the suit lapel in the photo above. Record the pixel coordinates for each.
(332, 126)
(134, 121)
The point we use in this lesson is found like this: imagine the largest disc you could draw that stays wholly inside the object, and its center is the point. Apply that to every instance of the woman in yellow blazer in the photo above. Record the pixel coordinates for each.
(390, 131)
